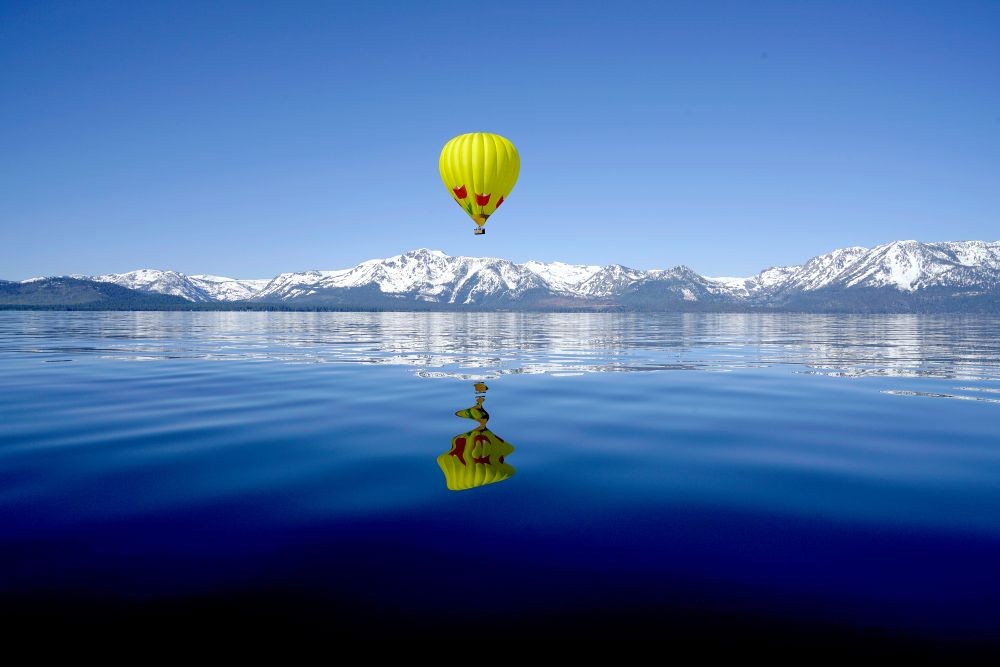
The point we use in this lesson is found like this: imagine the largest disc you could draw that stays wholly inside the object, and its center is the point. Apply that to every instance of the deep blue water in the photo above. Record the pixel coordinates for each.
(714, 473)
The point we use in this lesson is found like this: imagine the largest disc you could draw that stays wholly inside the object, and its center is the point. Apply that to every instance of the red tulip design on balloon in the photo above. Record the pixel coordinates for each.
(461, 194)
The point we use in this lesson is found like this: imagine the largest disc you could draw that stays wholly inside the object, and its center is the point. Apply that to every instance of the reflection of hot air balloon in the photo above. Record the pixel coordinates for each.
(477, 412)
(478, 457)
(479, 170)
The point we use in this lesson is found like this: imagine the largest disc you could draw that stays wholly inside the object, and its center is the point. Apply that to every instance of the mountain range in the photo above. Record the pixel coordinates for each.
(902, 276)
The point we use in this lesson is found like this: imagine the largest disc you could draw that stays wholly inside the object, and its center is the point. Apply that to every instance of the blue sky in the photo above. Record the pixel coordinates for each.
(250, 138)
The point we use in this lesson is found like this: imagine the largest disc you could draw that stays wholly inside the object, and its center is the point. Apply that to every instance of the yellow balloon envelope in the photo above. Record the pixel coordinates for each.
(479, 169)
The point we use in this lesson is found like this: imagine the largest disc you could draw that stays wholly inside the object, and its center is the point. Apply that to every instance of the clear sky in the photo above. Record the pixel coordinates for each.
(249, 138)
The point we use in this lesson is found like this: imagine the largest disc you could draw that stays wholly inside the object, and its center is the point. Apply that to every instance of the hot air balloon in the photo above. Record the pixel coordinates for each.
(479, 169)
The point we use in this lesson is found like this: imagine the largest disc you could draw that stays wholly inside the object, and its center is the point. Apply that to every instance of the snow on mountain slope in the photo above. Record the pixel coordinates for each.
(683, 282)
(973, 253)
(766, 282)
(201, 288)
(425, 275)
(822, 270)
(220, 288)
(903, 265)
(773, 277)
(818, 272)
(900, 264)
(292, 285)
(736, 288)
(562, 277)
(153, 280)
(610, 280)
(911, 265)
(728, 281)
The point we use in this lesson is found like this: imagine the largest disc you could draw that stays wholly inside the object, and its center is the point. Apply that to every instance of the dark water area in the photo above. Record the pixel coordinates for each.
(780, 478)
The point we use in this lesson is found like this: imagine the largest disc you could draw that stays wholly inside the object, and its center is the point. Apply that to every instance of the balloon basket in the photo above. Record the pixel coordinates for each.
(479, 231)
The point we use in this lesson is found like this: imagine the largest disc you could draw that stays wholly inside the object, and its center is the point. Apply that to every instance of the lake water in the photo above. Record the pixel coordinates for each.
(696, 475)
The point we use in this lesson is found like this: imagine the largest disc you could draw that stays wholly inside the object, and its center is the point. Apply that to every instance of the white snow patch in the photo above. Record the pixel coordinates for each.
(560, 276)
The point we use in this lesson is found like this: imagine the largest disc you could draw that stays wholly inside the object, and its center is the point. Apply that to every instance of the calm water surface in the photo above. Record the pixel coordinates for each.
(674, 470)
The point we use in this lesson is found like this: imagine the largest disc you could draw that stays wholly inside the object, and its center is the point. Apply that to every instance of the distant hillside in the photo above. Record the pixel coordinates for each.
(76, 294)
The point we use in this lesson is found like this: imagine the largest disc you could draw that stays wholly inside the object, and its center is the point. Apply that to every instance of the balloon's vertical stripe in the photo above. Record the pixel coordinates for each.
(456, 163)
(445, 168)
(466, 154)
(496, 173)
(456, 175)
(478, 159)
(484, 168)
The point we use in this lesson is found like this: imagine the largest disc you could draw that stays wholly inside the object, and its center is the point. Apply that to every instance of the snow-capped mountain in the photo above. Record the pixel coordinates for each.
(422, 275)
(610, 280)
(906, 266)
(897, 270)
(153, 280)
(562, 277)
(199, 288)
(220, 288)
(910, 265)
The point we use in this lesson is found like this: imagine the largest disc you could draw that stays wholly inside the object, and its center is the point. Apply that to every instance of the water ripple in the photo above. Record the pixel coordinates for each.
(480, 345)
(930, 394)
